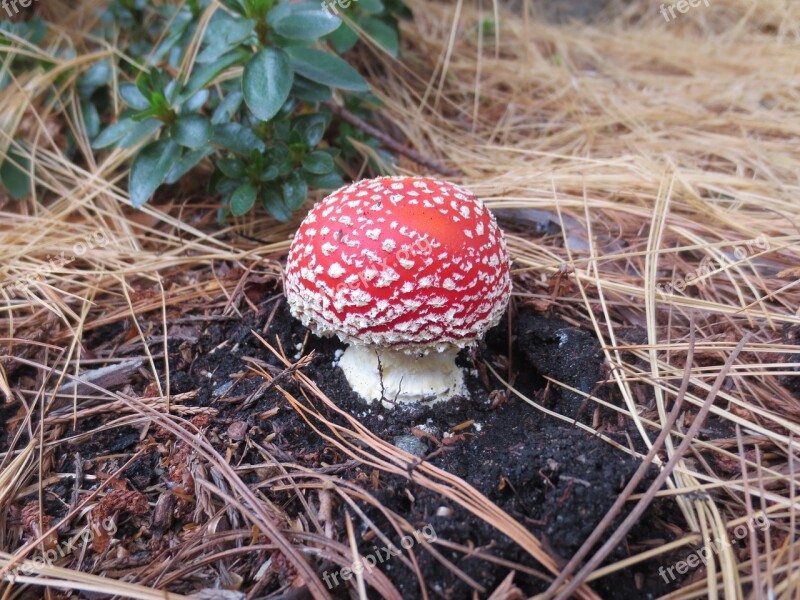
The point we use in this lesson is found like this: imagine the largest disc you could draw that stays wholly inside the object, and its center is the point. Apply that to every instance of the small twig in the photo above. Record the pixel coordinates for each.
(390, 142)
(76, 492)
(362, 589)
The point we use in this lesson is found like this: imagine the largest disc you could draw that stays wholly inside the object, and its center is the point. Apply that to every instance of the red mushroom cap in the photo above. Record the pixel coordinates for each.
(400, 262)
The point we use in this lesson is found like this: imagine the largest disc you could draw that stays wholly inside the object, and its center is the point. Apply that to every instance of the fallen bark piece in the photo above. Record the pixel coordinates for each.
(107, 377)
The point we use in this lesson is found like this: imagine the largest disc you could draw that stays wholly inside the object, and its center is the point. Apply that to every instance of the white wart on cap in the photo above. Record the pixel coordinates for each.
(398, 267)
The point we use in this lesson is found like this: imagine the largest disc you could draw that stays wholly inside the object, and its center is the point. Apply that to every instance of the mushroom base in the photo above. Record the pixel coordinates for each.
(395, 377)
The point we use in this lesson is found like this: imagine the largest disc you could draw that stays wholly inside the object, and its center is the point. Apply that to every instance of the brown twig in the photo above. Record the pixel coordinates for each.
(390, 142)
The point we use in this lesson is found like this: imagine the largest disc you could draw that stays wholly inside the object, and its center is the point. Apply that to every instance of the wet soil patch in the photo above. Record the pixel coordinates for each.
(553, 477)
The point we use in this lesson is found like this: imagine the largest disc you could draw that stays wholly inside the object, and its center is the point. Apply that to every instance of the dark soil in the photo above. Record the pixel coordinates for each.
(551, 476)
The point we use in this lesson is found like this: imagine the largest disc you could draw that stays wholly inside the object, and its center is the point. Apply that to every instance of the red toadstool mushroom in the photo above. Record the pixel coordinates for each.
(407, 270)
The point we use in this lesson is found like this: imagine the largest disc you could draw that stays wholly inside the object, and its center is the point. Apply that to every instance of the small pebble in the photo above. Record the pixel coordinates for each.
(410, 444)
(237, 430)
(223, 389)
(431, 429)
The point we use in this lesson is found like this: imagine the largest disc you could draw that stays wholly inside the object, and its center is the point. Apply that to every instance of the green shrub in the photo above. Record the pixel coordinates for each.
(253, 102)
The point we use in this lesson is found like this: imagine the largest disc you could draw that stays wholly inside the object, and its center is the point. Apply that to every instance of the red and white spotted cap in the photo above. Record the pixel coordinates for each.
(406, 263)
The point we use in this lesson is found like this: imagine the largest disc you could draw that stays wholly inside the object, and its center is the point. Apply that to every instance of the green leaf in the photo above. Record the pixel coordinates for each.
(227, 108)
(224, 33)
(312, 127)
(331, 181)
(191, 131)
(267, 82)
(332, 152)
(284, 8)
(95, 77)
(236, 138)
(154, 81)
(150, 169)
(226, 186)
(280, 157)
(14, 175)
(382, 33)
(180, 32)
(281, 10)
(236, 6)
(296, 142)
(399, 9)
(310, 92)
(318, 163)
(133, 97)
(287, 108)
(91, 118)
(243, 199)
(33, 30)
(326, 68)
(343, 39)
(171, 92)
(269, 174)
(295, 190)
(196, 102)
(203, 76)
(231, 167)
(274, 203)
(313, 134)
(186, 163)
(114, 133)
(307, 24)
(281, 131)
(258, 8)
(371, 7)
(141, 131)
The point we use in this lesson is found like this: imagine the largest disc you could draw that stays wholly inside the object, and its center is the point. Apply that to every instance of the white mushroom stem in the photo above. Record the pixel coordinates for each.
(400, 378)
